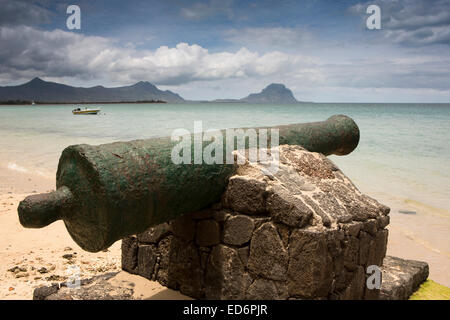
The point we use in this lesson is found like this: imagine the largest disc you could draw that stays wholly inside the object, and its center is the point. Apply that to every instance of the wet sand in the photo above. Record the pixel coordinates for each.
(31, 258)
(421, 234)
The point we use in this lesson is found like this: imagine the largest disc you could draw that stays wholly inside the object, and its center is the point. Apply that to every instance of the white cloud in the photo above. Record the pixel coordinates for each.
(64, 56)
(30, 52)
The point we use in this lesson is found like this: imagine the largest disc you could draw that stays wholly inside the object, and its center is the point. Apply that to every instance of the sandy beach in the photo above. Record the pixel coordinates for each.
(32, 258)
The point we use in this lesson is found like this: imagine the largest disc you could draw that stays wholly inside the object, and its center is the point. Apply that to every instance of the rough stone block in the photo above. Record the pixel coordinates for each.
(153, 235)
(225, 277)
(185, 272)
(146, 260)
(129, 255)
(245, 195)
(310, 271)
(268, 257)
(287, 209)
(184, 227)
(383, 222)
(378, 248)
(162, 272)
(371, 227)
(351, 253)
(355, 291)
(208, 233)
(262, 289)
(238, 230)
(402, 277)
(365, 242)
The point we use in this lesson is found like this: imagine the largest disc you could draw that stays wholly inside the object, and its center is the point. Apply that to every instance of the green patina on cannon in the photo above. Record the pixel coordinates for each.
(107, 192)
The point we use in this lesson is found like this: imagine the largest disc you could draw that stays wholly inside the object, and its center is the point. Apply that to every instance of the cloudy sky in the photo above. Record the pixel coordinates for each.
(210, 49)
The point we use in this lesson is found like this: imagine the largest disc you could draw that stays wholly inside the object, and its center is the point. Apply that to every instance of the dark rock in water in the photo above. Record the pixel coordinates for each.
(407, 212)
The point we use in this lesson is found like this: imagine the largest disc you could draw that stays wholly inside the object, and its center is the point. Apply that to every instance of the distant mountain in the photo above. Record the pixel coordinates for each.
(40, 90)
(273, 93)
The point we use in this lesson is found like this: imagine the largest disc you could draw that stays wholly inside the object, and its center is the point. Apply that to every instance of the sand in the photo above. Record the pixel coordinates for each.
(424, 236)
(31, 258)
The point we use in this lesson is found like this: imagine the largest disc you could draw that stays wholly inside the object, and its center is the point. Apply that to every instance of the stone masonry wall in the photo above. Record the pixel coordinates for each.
(305, 232)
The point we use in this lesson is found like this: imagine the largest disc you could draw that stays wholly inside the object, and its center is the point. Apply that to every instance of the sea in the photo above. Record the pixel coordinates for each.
(403, 155)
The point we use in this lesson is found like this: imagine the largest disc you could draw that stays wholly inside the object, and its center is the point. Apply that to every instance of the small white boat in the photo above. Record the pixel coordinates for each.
(85, 111)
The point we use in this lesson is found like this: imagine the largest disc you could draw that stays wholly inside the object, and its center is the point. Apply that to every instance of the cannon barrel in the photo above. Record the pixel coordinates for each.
(106, 192)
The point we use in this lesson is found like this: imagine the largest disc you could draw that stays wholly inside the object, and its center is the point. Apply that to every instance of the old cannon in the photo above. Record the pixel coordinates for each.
(107, 192)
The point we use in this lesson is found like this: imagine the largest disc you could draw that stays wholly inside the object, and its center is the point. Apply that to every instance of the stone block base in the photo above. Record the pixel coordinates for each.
(400, 279)
(221, 254)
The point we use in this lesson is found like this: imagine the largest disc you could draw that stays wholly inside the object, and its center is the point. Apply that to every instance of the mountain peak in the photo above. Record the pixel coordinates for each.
(277, 86)
(273, 93)
(36, 80)
(143, 84)
(35, 83)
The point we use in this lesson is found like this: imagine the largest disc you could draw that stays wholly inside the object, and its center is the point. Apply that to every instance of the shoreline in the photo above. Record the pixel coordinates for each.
(27, 251)
(29, 103)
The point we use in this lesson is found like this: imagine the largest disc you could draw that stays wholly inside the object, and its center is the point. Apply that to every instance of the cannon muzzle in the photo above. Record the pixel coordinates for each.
(107, 192)
(40, 210)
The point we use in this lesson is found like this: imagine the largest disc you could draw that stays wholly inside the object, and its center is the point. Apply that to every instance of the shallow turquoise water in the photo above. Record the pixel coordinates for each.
(404, 149)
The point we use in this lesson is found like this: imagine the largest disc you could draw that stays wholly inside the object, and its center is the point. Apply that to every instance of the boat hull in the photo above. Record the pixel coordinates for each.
(86, 112)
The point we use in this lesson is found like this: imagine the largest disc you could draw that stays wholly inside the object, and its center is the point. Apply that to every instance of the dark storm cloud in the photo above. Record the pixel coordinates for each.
(22, 13)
